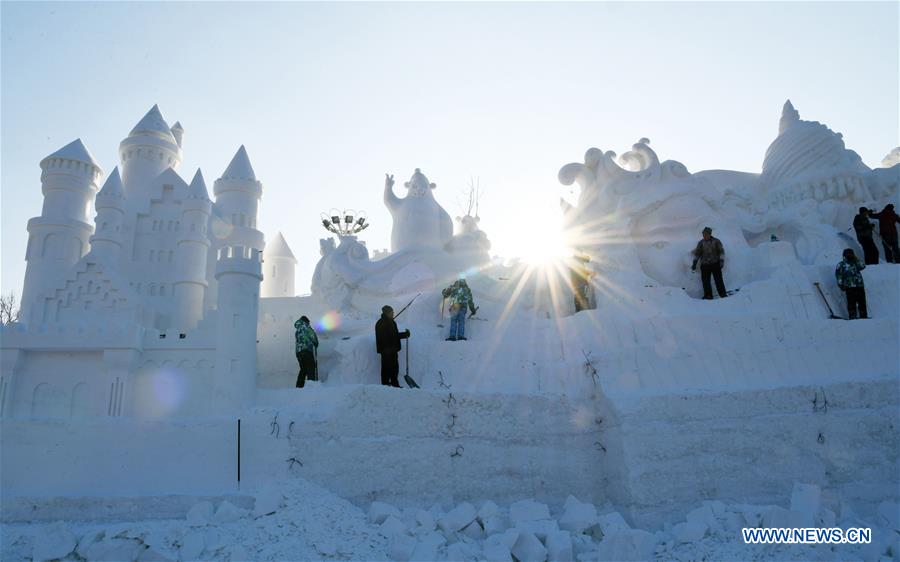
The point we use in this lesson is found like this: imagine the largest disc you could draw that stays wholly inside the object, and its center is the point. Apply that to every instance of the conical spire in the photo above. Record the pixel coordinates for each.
(789, 116)
(154, 124)
(197, 189)
(239, 168)
(278, 247)
(178, 132)
(75, 150)
(112, 189)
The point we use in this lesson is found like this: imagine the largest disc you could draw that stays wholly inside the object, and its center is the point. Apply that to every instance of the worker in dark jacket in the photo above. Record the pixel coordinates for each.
(887, 227)
(864, 229)
(711, 255)
(306, 344)
(387, 343)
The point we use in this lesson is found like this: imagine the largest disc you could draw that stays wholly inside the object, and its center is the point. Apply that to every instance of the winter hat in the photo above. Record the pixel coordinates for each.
(386, 308)
(848, 253)
(304, 319)
(863, 210)
(707, 229)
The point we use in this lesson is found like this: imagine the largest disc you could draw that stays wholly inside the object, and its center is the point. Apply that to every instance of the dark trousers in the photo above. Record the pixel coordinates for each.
(891, 251)
(856, 298)
(390, 368)
(715, 270)
(870, 250)
(307, 367)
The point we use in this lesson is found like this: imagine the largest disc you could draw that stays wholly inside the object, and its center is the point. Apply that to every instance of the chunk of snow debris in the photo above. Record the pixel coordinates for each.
(559, 546)
(498, 547)
(192, 546)
(151, 555)
(582, 544)
(474, 531)
(827, 518)
(200, 514)
(528, 548)
(777, 516)
(114, 550)
(458, 518)
(689, 531)
(228, 512)
(734, 522)
(627, 544)
(612, 521)
(494, 525)
(401, 548)
(380, 511)
(462, 551)
(238, 552)
(212, 539)
(391, 527)
(577, 516)
(528, 510)
(54, 541)
(268, 501)
(540, 528)
(488, 509)
(425, 521)
(87, 540)
(426, 549)
(806, 500)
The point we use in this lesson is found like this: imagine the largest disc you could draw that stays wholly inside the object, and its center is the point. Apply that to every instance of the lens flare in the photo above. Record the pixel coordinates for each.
(167, 390)
(329, 321)
(221, 229)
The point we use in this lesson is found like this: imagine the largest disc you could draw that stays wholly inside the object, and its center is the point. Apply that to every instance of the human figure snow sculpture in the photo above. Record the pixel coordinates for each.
(419, 222)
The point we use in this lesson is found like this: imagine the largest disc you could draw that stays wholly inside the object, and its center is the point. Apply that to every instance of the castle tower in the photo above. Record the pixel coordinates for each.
(279, 265)
(60, 236)
(191, 255)
(238, 273)
(237, 199)
(106, 243)
(148, 150)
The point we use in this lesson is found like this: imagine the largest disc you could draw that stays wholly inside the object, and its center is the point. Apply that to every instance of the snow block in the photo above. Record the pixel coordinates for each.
(528, 548)
(151, 555)
(494, 525)
(228, 512)
(392, 526)
(87, 540)
(55, 541)
(577, 516)
(690, 531)
(628, 544)
(488, 509)
(191, 546)
(424, 521)
(380, 511)
(268, 501)
(200, 514)
(463, 552)
(528, 510)
(458, 518)
(540, 528)
(426, 549)
(806, 499)
(559, 546)
(498, 547)
(607, 524)
(401, 548)
(473, 531)
(115, 550)
(888, 514)
(776, 516)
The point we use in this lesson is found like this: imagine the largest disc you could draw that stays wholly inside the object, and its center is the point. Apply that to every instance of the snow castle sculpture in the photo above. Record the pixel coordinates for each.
(130, 315)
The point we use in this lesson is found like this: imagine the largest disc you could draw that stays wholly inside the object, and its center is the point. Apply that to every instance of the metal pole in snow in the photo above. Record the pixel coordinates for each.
(239, 454)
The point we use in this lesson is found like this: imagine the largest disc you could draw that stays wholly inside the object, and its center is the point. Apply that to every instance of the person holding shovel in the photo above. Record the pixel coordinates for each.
(306, 344)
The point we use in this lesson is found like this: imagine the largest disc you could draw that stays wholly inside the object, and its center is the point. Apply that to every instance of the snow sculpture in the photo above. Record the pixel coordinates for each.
(419, 220)
(279, 267)
(645, 217)
(891, 159)
(147, 273)
(470, 239)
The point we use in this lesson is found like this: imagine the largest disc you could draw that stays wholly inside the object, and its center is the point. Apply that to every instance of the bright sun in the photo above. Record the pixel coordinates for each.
(539, 246)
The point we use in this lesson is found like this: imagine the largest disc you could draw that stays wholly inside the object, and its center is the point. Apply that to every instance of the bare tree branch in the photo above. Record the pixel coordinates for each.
(9, 309)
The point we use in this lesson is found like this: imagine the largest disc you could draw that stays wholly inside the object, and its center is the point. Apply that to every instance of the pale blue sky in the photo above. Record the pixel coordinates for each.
(329, 97)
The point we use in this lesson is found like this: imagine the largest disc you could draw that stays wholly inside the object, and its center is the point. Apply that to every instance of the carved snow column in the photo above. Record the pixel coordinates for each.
(120, 365)
(61, 235)
(237, 194)
(10, 363)
(191, 255)
(238, 273)
(148, 150)
(106, 243)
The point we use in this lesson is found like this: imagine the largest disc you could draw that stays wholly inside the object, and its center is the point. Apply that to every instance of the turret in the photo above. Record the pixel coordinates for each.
(238, 273)
(60, 235)
(279, 265)
(178, 132)
(191, 255)
(237, 199)
(106, 243)
(148, 150)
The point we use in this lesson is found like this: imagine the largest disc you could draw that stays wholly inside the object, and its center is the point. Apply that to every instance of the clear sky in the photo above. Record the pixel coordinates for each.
(327, 97)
